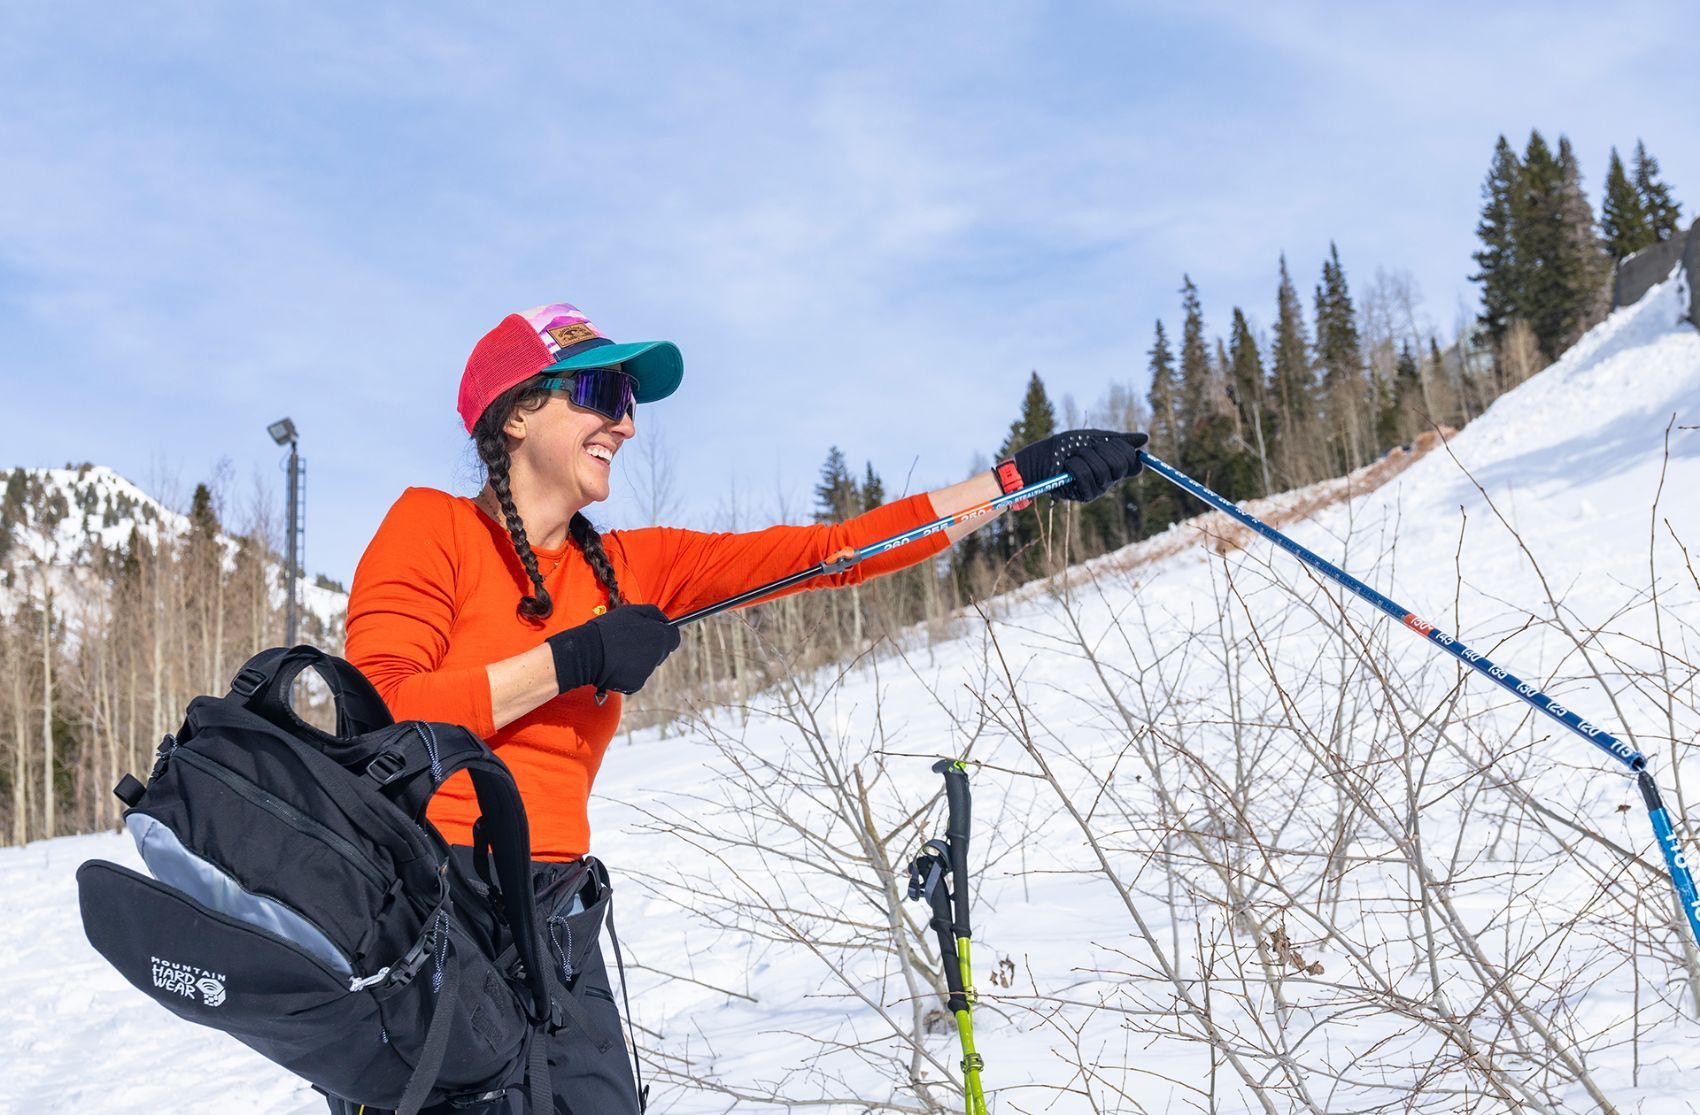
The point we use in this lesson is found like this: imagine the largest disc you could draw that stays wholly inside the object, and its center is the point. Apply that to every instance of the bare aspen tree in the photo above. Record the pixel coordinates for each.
(16, 656)
(105, 645)
(1519, 354)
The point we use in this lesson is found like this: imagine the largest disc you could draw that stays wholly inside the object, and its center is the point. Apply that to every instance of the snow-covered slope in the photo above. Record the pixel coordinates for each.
(1284, 819)
(61, 518)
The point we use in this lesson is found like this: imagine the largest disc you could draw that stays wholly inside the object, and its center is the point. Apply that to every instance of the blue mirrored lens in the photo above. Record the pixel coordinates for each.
(608, 391)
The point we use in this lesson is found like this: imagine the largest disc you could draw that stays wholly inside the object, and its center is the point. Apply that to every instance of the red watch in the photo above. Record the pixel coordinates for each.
(1009, 479)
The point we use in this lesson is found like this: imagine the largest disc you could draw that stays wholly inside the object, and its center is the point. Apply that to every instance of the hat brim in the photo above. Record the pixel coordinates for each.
(657, 366)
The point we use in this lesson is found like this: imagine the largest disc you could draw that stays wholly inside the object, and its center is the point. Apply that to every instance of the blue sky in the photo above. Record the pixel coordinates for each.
(864, 224)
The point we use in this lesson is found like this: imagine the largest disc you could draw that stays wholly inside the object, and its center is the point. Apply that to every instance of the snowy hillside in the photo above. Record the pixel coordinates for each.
(1243, 845)
(58, 519)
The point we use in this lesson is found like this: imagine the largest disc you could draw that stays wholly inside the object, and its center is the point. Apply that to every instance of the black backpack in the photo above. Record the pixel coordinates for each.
(302, 903)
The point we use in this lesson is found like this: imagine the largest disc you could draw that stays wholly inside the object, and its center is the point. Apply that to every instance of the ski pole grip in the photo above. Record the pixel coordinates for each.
(960, 806)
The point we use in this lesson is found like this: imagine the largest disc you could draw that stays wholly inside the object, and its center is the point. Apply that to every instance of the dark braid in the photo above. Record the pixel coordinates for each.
(492, 444)
(590, 545)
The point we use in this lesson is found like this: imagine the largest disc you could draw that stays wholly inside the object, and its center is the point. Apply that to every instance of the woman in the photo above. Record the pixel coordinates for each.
(508, 613)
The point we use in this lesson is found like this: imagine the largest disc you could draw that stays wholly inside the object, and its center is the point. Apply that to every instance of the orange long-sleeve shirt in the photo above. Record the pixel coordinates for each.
(434, 601)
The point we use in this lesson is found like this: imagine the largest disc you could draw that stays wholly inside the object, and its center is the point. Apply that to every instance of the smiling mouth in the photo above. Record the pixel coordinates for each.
(601, 453)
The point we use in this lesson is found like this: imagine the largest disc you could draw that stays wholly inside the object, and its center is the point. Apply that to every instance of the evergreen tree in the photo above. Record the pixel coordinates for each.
(1245, 379)
(203, 520)
(1020, 533)
(1623, 219)
(1448, 396)
(1164, 397)
(1207, 419)
(1195, 402)
(133, 557)
(1292, 388)
(1222, 388)
(1245, 371)
(1158, 503)
(1399, 417)
(1500, 271)
(204, 557)
(1408, 390)
(1038, 420)
(1584, 260)
(1560, 259)
(1545, 298)
(1339, 354)
(11, 510)
(873, 491)
(1663, 213)
(1383, 408)
(12, 503)
(836, 497)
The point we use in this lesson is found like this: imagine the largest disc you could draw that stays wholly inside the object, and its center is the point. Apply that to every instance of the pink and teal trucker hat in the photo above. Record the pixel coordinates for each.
(559, 338)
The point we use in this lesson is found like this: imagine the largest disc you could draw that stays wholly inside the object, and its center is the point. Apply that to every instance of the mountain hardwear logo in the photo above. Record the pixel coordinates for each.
(189, 981)
(212, 991)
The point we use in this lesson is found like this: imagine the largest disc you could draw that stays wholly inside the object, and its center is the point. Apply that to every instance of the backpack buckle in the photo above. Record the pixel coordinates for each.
(361, 983)
(385, 766)
(248, 681)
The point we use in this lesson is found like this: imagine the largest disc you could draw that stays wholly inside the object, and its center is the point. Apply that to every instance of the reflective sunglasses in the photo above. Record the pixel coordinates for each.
(608, 391)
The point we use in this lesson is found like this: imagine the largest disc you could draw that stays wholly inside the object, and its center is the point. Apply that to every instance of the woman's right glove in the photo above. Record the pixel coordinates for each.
(1095, 458)
(617, 650)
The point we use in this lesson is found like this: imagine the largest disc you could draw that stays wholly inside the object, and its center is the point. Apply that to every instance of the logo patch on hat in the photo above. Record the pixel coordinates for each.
(571, 334)
(560, 324)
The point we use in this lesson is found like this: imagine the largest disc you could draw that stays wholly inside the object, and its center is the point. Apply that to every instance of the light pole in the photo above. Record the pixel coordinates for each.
(283, 432)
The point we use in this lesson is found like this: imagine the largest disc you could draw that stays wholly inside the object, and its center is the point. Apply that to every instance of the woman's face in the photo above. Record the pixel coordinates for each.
(570, 450)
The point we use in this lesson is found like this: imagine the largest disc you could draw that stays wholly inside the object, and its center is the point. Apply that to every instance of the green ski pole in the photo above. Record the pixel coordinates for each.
(939, 876)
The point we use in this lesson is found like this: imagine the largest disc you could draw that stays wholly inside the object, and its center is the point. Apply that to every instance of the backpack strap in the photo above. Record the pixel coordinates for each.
(430, 1061)
(409, 769)
(510, 846)
(538, 1074)
(265, 681)
(620, 962)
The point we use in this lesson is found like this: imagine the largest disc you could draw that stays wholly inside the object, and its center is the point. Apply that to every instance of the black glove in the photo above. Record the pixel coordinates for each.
(1095, 458)
(617, 650)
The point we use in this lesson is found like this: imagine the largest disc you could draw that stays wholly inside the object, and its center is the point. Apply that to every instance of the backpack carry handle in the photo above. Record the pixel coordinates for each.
(265, 682)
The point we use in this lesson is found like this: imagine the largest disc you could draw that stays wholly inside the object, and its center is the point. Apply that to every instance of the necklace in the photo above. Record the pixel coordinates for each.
(491, 507)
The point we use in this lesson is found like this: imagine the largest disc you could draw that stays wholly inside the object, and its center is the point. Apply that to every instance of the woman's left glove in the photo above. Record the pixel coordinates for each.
(1095, 458)
(617, 650)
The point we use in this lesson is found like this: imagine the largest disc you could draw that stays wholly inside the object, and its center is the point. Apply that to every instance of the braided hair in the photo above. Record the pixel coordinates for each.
(492, 445)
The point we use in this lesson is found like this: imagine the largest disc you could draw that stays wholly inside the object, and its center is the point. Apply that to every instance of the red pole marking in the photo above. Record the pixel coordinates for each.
(1421, 627)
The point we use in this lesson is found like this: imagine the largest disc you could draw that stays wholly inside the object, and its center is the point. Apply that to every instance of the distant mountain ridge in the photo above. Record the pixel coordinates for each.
(57, 521)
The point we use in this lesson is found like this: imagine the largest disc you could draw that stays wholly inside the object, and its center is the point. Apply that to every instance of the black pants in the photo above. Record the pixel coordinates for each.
(585, 1080)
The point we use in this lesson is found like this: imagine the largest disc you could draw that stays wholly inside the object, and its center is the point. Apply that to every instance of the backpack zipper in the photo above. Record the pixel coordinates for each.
(283, 811)
(162, 758)
(565, 952)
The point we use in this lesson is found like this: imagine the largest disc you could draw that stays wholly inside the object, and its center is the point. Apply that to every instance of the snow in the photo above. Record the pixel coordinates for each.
(715, 891)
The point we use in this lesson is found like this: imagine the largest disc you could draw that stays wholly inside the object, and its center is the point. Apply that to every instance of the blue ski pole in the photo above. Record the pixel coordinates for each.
(1676, 860)
(844, 559)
